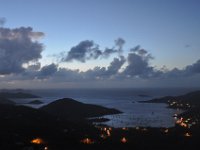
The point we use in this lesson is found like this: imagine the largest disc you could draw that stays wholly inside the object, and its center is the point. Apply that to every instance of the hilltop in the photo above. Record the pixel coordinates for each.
(73, 110)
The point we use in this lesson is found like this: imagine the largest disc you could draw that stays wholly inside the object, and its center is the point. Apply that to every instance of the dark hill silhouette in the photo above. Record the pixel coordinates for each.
(17, 95)
(35, 102)
(4, 100)
(192, 98)
(71, 109)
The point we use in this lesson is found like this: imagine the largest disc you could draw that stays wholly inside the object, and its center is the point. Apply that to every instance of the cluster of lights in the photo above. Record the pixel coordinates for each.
(186, 123)
(87, 141)
(179, 105)
(106, 132)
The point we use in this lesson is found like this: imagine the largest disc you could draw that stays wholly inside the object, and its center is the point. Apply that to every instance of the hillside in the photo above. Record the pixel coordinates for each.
(70, 109)
(17, 95)
(189, 100)
(4, 100)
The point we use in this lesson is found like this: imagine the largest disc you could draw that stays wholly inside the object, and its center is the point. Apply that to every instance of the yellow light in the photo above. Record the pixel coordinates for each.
(144, 129)
(183, 124)
(187, 134)
(103, 136)
(124, 140)
(46, 148)
(108, 132)
(37, 141)
(166, 130)
(137, 128)
(124, 128)
(87, 141)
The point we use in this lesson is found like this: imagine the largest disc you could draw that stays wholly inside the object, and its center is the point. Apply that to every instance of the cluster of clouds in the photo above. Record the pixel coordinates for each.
(20, 51)
(18, 47)
(87, 50)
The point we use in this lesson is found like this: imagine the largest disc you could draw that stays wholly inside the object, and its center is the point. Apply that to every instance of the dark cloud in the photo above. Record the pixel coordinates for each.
(87, 50)
(194, 68)
(47, 71)
(108, 51)
(83, 51)
(116, 65)
(138, 63)
(103, 73)
(189, 70)
(119, 42)
(137, 66)
(17, 47)
(135, 49)
(95, 74)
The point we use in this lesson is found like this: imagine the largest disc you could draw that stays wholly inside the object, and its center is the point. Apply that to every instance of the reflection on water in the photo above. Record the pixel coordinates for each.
(154, 115)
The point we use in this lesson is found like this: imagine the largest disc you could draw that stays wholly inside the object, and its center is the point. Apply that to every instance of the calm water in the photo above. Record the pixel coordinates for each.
(125, 100)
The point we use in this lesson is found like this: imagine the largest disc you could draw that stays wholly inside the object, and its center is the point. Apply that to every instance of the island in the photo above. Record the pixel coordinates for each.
(4, 100)
(36, 102)
(17, 95)
(73, 110)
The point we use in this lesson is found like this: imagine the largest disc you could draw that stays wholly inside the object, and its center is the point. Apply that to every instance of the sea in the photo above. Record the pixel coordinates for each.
(128, 100)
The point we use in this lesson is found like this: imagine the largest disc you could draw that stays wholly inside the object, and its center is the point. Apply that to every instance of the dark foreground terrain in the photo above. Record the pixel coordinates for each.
(63, 125)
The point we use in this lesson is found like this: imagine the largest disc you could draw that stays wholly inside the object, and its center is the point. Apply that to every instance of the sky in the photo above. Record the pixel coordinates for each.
(101, 43)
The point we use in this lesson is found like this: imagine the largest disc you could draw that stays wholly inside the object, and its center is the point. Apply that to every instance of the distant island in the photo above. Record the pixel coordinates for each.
(17, 95)
(4, 100)
(73, 110)
(36, 102)
(185, 101)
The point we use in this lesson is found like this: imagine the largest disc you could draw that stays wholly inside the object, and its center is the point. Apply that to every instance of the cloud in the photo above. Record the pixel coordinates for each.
(67, 75)
(103, 73)
(188, 71)
(18, 47)
(47, 71)
(2, 21)
(87, 50)
(109, 51)
(36, 35)
(138, 64)
(194, 68)
(119, 42)
(83, 51)
(115, 65)
(34, 67)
